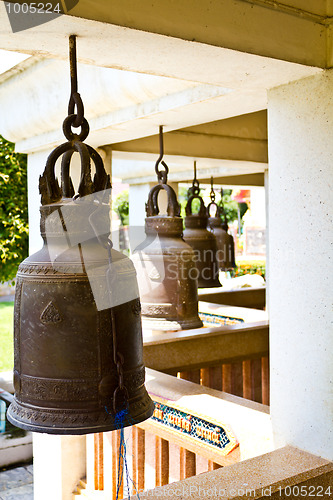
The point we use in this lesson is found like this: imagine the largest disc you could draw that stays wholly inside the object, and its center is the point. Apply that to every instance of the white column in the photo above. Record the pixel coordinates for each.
(36, 165)
(138, 196)
(59, 464)
(267, 236)
(300, 132)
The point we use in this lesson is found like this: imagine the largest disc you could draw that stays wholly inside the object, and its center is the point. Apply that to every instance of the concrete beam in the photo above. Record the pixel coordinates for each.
(240, 138)
(180, 53)
(289, 30)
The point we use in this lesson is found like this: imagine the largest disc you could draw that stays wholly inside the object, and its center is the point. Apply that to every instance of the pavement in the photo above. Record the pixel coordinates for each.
(17, 483)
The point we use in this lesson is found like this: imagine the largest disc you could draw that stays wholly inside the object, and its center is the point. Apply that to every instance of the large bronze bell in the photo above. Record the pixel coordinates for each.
(167, 273)
(201, 240)
(77, 325)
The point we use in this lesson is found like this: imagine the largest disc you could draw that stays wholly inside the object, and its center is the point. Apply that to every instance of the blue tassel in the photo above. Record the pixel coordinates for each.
(120, 417)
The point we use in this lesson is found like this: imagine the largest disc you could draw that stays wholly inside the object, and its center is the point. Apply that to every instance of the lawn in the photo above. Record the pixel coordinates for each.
(6, 336)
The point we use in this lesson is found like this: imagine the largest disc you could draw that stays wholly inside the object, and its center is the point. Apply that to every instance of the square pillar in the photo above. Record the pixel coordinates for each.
(300, 147)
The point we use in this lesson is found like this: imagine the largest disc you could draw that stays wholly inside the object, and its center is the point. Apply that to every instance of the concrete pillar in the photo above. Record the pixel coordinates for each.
(267, 237)
(138, 196)
(59, 463)
(36, 165)
(300, 125)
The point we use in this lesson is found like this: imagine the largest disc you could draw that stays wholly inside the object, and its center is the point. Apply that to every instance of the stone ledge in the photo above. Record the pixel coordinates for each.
(270, 475)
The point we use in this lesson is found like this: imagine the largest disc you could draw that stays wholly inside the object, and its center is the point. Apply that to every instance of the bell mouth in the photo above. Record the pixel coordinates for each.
(164, 224)
(78, 421)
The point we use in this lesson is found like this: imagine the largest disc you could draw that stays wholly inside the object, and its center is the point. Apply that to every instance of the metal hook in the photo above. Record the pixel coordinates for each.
(162, 175)
(195, 190)
(75, 98)
(212, 192)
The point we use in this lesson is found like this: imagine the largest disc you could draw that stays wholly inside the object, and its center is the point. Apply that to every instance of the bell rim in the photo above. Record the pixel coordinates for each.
(165, 325)
(80, 430)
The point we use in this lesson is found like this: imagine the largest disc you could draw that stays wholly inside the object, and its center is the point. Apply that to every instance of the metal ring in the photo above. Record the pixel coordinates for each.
(75, 100)
(116, 393)
(69, 134)
(162, 175)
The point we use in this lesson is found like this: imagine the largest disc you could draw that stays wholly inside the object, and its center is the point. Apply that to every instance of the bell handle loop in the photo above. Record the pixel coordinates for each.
(86, 186)
(217, 213)
(101, 178)
(48, 184)
(188, 208)
(66, 181)
(152, 208)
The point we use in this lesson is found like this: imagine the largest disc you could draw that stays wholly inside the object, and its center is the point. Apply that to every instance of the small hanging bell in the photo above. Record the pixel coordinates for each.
(165, 266)
(201, 240)
(215, 225)
(77, 326)
(229, 245)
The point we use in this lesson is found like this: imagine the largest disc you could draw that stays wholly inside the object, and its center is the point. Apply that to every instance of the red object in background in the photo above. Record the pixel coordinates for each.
(242, 196)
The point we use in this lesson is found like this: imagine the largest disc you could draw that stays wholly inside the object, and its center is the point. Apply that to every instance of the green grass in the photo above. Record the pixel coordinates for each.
(6, 336)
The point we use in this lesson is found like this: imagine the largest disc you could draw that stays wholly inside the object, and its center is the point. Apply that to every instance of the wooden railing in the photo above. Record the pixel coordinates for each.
(243, 297)
(229, 358)
(159, 454)
(232, 359)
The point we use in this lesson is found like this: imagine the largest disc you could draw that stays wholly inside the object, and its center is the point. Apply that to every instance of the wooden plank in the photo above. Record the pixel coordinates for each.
(205, 377)
(138, 459)
(187, 463)
(161, 461)
(190, 350)
(98, 462)
(265, 380)
(117, 466)
(256, 377)
(191, 376)
(237, 379)
(213, 465)
(247, 379)
(212, 377)
(227, 378)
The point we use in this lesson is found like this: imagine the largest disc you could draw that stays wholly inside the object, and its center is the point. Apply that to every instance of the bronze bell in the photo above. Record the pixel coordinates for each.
(229, 245)
(77, 325)
(201, 240)
(222, 237)
(167, 273)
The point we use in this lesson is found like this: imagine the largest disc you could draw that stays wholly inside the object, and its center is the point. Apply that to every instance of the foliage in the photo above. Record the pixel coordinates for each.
(13, 210)
(121, 207)
(6, 336)
(250, 267)
(230, 206)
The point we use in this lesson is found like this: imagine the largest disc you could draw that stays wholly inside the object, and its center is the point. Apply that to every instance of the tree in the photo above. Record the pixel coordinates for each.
(13, 210)
(121, 207)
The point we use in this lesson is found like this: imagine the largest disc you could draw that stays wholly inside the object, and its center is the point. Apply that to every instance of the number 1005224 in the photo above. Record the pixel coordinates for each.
(306, 491)
(33, 8)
